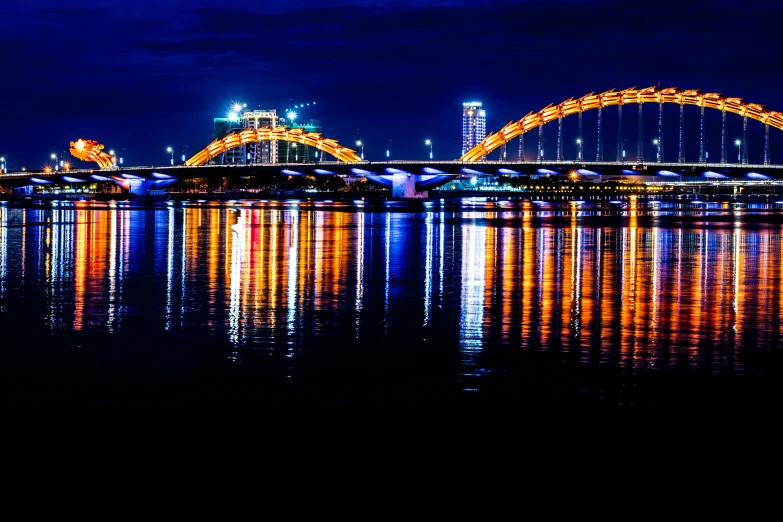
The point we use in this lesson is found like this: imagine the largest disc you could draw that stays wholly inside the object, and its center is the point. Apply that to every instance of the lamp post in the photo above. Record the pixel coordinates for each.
(429, 142)
(361, 148)
(113, 157)
(171, 151)
(388, 149)
(739, 150)
(54, 157)
(658, 145)
(579, 154)
(3, 168)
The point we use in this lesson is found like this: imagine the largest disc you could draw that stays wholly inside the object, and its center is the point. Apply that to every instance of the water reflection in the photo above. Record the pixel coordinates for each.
(289, 281)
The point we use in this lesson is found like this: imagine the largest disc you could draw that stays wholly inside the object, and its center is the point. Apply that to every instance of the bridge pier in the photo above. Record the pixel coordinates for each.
(141, 187)
(404, 186)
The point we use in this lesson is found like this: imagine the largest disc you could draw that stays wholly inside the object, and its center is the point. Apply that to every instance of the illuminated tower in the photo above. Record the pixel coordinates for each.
(474, 125)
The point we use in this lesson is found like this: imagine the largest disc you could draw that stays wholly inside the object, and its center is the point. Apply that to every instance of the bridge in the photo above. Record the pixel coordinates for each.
(413, 179)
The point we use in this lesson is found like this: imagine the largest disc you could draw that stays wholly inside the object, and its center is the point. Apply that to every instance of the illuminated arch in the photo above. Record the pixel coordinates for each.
(627, 96)
(281, 133)
(89, 150)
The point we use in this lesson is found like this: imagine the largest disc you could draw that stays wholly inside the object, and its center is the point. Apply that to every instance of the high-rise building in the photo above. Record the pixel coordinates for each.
(288, 152)
(474, 125)
(260, 152)
(222, 128)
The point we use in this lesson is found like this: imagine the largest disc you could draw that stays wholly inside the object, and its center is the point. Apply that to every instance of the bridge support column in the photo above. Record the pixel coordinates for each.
(702, 159)
(660, 132)
(620, 155)
(681, 154)
(599, 154)
(745, 140)
(560, 139)
(723, 138)
(766, 144)
(521, 147)
(640, 138)
(404, 186)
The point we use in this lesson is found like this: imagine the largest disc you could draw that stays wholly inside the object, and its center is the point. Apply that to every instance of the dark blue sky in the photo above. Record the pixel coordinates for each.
(144, 75)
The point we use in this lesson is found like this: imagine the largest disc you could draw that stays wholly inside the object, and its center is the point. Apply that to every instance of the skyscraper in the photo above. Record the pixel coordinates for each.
(474, 125)
(263, 151)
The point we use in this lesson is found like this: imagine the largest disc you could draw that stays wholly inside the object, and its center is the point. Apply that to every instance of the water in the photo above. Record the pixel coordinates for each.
(478, 302)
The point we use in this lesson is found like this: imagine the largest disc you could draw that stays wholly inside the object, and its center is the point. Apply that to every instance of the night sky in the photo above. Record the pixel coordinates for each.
(141, 76)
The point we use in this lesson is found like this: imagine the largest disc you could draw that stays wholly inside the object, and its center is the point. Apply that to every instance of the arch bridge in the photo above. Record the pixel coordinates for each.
(629, 96)
(412, 179)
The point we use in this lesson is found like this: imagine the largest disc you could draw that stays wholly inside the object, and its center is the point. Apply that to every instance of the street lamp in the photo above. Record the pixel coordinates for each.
(113, 157)
(579, 142)
(429, 142)
(3, 168)
(657, 144)
(54, 157)
(388, 149)
(171, 151)
(739, 150)
(361, 148)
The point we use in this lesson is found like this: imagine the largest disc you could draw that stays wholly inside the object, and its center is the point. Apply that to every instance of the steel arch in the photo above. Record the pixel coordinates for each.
(632, 95)
(282, 133)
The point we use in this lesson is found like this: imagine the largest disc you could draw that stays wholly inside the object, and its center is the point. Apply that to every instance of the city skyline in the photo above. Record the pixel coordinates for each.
(161, 75)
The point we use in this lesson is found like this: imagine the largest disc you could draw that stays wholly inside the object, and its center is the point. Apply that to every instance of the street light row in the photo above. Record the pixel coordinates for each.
(360, 145)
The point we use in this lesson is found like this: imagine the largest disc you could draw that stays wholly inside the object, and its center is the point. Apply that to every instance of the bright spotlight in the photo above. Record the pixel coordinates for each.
(291, 115)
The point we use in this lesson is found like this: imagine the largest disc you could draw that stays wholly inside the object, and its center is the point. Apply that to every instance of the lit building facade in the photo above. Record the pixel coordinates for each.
(261, 152)
(296, 152)
(474, 125)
